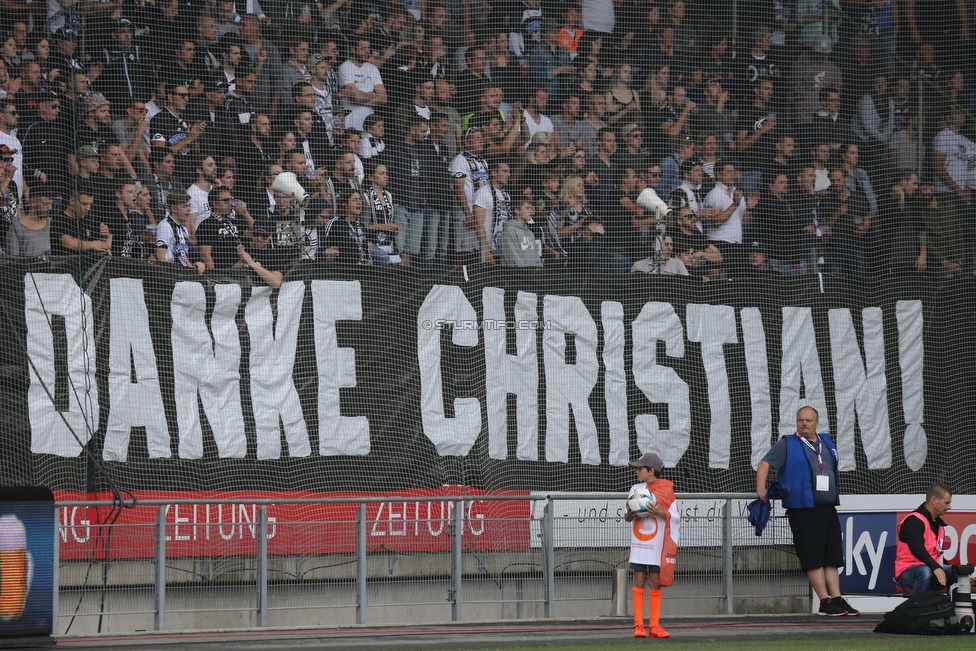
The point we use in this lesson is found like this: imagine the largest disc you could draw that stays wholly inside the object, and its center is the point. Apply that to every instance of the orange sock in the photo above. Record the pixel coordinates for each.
(638, 596)
(655, 610)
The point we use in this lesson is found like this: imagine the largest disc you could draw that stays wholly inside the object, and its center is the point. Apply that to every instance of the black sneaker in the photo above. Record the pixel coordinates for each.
(840, 604)
(829, 608)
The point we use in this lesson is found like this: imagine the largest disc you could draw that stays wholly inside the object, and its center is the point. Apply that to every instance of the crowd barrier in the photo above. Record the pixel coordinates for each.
(563, 557)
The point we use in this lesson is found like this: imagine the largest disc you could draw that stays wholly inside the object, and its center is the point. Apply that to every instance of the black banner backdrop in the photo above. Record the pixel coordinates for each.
(895, 379)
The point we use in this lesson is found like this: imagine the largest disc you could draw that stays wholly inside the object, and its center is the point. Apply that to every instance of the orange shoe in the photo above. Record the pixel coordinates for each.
(639, 630)
(658, 632)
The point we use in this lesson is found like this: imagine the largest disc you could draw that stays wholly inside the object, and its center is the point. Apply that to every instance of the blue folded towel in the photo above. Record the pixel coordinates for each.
(759, 510)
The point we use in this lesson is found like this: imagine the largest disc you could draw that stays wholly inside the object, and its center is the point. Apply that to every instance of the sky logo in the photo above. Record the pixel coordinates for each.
(869, 552)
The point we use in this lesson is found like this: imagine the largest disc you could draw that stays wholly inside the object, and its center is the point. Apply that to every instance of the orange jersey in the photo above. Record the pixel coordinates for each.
(654, 540)
(569, 39)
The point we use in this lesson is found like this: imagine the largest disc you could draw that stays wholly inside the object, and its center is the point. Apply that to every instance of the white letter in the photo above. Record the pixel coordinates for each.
(220, 520)
(45, 296)
(615, 381)
(272, 361)
(474, 517)
(849, 547)
(177, 519)
(139, 403)
(950, 547)
(273, 531)
(518, 374)
(374, 531)
(569, 385)
(333, 301)
(402, 531)
(450, 436)
(800, 358)
(968, 532)
(911, 359)
(855, 388)
(757, 368)
(714, 326)
(875, 556)
(658, 322)
(242, 509)
(211, 368)
(74, 527)
(431, 520)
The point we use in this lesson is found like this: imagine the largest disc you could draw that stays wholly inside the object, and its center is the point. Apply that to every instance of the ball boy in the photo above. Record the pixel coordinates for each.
(653, 544)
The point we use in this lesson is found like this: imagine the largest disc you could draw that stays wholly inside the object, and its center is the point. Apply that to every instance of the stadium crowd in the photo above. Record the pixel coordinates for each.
(808, 136)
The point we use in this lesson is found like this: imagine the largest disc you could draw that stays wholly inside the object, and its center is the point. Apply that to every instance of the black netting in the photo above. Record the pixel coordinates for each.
(407, 443)
(276, 246)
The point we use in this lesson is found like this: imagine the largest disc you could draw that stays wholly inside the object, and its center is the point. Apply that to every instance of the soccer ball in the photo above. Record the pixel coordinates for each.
(641, 500)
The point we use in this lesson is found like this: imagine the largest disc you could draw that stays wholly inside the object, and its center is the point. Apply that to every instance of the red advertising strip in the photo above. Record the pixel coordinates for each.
(201, 529)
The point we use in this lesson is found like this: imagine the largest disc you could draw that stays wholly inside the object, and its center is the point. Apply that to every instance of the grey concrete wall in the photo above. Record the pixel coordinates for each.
(209, 593)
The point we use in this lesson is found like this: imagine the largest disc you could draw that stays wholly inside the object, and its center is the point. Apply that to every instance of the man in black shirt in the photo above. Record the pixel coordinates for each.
(160, 182)
(311, 137)
(918, 553)
(29, 73)
(263, 258)
(627, 234)
(778, 228)
(829, 125)
(757, 65)
(127, 74)
(254, 154)
(345, 235)
(602, 169)
(805, 204)
(670, 123)
(62, 54)
(755, 138)
(46, 145)
(239, 98)
(416, 179)
(221, 129)
(844, 209)
(169, 129)
(471, 81)
(104, 182)
(217, 236)
(181, 68)
(126, 224)
(72, 231)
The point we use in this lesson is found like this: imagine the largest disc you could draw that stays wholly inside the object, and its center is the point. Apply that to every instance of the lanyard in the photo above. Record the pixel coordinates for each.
(815, 450)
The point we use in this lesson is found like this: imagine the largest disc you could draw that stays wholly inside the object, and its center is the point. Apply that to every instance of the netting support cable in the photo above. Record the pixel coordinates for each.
(56, 574)
(548, 551)
(159, 619)
(727, 555)
(262, 578)
(361, 563)
(119, 496)
(456, 566)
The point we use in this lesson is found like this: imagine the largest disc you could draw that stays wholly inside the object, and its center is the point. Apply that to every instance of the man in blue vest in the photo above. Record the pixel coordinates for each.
(807, 461)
